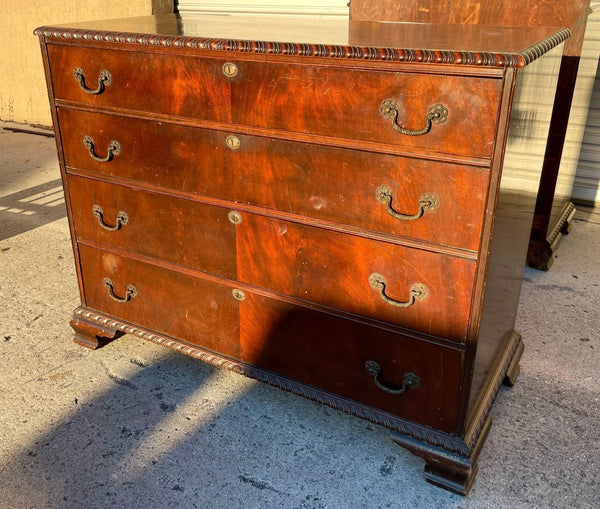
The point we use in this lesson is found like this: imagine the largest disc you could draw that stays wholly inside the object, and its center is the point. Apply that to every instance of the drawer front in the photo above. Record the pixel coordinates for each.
(180, 231)
(328, 101)
(420, 290)
(331, 353)
(314, 348)
(166, 301)
(375, 191)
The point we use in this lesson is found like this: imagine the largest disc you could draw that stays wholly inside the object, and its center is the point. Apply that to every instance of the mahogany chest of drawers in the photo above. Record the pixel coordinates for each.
(335, 212)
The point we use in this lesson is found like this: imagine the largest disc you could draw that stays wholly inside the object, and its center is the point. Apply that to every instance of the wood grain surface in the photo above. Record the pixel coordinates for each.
(333, 269)
(326, 351)
(179, 231)
(306, 99)
(307, 180)
(177, 304)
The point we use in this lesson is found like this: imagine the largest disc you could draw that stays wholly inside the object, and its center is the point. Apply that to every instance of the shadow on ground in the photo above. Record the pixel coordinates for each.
(31, 208)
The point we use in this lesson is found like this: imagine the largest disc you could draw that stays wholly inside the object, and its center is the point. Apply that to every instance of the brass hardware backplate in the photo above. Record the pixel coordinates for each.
(418, 291)
(122, 219)
(438, 113)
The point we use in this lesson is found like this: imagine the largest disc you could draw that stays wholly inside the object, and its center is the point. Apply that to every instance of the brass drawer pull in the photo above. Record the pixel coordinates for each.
(417, 292)
(113, 149)
(410, 380)
(427, 202)
(437, 114)
(104, 79)
(122, 219)
(130, 294)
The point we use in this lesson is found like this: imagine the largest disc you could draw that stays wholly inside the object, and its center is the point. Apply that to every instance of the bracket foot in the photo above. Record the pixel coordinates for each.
(92, 335)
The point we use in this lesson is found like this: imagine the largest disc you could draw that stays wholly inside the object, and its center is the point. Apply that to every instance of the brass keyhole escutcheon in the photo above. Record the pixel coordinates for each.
(235, 217)
(230, 69)
(238, 294)
(232, 142)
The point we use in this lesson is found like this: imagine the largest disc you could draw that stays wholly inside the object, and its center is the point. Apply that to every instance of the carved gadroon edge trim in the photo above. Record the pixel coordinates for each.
(566, 216)
(483, 59)
(486, 408)
(537, 50)
(421, 433)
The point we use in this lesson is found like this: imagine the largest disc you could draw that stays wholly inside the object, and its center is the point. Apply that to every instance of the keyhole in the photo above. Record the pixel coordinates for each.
(233, 142)
(230, 69)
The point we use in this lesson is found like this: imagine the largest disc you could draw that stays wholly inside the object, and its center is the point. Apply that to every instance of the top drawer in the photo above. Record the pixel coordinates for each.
(356, 104)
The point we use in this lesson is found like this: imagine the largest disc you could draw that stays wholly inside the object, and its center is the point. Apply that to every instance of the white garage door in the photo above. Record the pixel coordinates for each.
(587, 179)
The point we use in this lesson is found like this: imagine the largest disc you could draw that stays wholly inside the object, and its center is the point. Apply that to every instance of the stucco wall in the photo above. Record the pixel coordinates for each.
(23, 95)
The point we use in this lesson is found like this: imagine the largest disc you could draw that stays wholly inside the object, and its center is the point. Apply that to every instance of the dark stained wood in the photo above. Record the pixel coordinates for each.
(176, 304)
(514, 368)
(326, 351)
(297, 98)
(443, 441)
(504, 46)
(152, 218)
(307, 180)
(515, 208)
(455, 472)
(333, 269)
(284, 295)
(553, 207)
(92, 335)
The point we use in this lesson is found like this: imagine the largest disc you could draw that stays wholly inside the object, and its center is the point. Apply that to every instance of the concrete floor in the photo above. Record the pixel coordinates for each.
(136, 425)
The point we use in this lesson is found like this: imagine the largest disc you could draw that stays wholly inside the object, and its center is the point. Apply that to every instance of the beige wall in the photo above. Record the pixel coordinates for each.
(23, 95)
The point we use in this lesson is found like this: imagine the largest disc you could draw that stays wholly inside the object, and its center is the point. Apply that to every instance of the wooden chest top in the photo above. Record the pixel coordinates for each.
(479, 45)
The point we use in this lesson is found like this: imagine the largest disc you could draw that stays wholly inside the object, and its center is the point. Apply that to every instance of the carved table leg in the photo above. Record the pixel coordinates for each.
(92, 335)
(540, 257)
(446, 469)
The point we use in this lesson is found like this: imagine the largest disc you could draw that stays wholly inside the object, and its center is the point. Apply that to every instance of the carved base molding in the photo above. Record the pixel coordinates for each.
(540, 255)
(447, 470)
(92, 334)
(451, 462)
(453, 471)
(563, 224)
